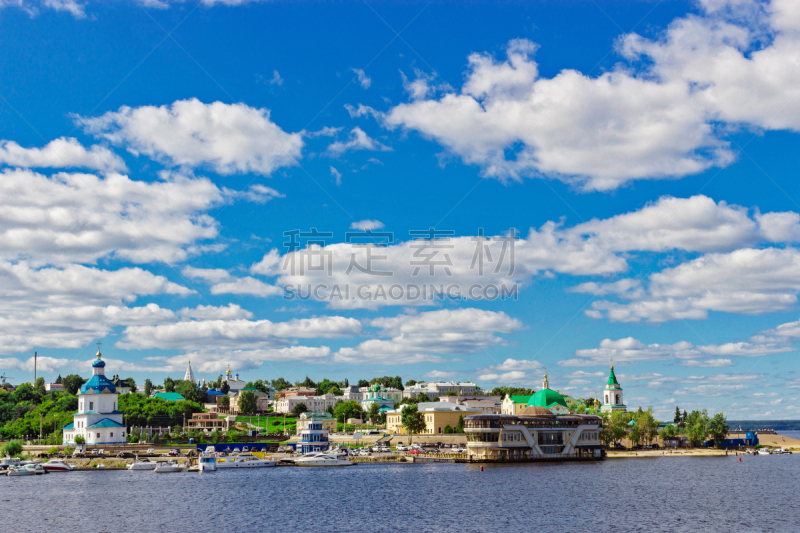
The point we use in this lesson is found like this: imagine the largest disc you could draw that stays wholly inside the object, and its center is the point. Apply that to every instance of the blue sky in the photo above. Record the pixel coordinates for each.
(154, 154)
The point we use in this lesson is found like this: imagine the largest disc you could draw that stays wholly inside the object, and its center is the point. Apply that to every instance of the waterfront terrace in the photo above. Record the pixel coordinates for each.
(534, 434)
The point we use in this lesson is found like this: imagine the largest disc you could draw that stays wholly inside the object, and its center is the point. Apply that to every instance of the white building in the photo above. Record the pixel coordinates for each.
(353, 393)
(381, 391)
(315, 404)
(612, 395)
(233, 382)
(98, 421)
(434, 389)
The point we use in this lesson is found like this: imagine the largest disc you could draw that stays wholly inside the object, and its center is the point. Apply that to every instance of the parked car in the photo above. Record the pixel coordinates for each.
(402, 448)
(126, 455)
(174, 452)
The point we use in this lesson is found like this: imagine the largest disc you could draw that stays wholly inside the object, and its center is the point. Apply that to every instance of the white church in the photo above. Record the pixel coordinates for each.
(97, 419)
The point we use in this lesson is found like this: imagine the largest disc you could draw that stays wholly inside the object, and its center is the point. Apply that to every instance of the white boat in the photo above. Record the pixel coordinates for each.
(57, 465)
(244, 461)
(142, 464)
(322, 459)
(207, 463)
(26, 470)
(168, 468)
(8, 462)
(763, 451)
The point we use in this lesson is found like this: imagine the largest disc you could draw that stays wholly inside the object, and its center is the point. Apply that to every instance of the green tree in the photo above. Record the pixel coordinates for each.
(374, 411)
(345, 410)
(225, 401)
(247, 403)
(697, 426)
(188, 390)
(677, 417)
(148, 387)
(718, 429)
(413, 421)
(225, 388)
(39, 386)
(131, 384)
(308, 382)
(12, 448)
(58, 379)
(279, 384)
(79, 439)
(72, 383)
(411, 382)
(299, 409)
(618, 425)
(448, 429)
(460, 426)
(668, 431)
(363, 383)
(169, 384)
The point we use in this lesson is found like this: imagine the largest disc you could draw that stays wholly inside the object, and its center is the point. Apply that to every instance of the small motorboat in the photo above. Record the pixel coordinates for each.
(764, 451)
(244, 461)
(207, 463)
(322, 459)
(57, 465)
(142, 464)
(168, 468)
(26, 470)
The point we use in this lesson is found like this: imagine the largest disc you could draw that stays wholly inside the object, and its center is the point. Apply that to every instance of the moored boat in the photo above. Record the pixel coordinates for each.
(244, 461)
(168, 468)
(142, 464)
(207, 463)
(57, 465)
(322, 459)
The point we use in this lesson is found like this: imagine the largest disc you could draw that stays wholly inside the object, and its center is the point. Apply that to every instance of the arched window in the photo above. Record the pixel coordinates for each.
(618, 399)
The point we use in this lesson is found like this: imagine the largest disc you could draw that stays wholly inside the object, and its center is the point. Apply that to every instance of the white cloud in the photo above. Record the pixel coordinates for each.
(513, 377)
(423, 337)
(517, 364)
(64, 152)
(438, 374)
(228, 138)
(367, 225)
(659, 115)
(247, 285)
(276, 79)
(211, 335)
(210, 312)
(260, 194)
(364, 80)
(208, 274)
(81, 217)
(337, 176)
(630, 351)
(747, 281)
(74, 8)
(359, 140)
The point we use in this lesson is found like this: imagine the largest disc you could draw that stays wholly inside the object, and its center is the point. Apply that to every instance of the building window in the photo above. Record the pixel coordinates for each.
(112, 433)
(91, 406)
(98, 435)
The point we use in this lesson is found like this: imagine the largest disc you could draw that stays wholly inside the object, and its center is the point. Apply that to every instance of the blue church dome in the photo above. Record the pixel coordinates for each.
(98, 364)
(98, 384)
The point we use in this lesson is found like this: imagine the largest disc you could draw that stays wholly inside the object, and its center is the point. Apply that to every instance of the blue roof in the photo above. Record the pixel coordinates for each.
(98, 384)
(106, 423)
(99, 364)
(71, 425)
(96, 413)
(212, 392)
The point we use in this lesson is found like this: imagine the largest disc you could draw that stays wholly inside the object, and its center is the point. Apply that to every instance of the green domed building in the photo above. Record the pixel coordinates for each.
(549, 399)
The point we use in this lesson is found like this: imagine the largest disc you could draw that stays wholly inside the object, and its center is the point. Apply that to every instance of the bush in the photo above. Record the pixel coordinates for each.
(448, 429)
(12, 448)
(79, 439)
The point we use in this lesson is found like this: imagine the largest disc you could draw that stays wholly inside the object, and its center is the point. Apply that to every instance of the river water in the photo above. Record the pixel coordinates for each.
(638, 494)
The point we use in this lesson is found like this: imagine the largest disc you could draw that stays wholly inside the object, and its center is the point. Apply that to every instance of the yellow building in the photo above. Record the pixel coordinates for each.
(437, 416)
(513, 403)
(328, 422)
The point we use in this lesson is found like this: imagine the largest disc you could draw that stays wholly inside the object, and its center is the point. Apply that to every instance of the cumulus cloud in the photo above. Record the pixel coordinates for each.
(358, 140)
(337, 176)
(208, 335)
(367, 225)
(363, 80)
(64, 152)
(82, 217)
(247, 285)
(211, 312)
(658, 115)
(424, 337)
(227, 138)
(631, 351)
(747, 281)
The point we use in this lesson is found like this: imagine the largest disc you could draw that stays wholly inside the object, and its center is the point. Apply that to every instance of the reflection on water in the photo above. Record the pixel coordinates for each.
(655, 494)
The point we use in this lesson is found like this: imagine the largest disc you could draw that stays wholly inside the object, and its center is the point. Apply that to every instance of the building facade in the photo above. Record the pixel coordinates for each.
(514, 403)
(434, 389)
(533, 434)
(312, 403)
(437, 415)
(314, 438)
(305, 419)
(208, 422)
(98, 421)
(612, 395)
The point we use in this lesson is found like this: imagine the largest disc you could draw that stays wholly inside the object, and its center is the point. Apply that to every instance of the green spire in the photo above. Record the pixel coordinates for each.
(612, 379)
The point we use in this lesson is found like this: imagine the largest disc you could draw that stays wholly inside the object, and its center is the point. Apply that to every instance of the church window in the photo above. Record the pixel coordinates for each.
(91, 406)
(112, 434)
(98, 435)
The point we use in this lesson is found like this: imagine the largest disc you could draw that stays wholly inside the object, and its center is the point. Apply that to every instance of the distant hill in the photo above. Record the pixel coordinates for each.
(777, 425)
